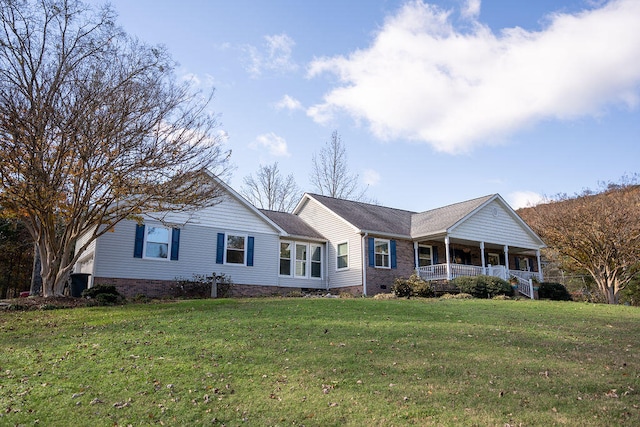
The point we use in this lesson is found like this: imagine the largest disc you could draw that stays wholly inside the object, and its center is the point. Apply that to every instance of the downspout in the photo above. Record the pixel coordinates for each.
(326, 266)
(364, 265)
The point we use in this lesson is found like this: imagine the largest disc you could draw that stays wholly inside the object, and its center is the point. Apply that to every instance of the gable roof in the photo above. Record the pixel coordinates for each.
(367, 217)
(440, 220)
(234, 194)
(293, 225)
(385, 221)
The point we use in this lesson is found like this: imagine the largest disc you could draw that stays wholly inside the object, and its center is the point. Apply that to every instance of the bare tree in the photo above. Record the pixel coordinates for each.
(270, 190)
(596, 232)
(330, 174)
(94, 128)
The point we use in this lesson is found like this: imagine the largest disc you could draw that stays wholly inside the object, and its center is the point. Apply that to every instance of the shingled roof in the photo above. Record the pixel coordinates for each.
(440, 220)
(292, 224)
(368, 217)
(390, 221)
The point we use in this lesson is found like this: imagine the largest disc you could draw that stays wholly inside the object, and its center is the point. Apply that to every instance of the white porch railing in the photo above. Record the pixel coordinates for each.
(439, 272)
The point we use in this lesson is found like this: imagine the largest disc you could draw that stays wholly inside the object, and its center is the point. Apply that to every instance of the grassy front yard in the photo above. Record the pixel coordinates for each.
(322, 362)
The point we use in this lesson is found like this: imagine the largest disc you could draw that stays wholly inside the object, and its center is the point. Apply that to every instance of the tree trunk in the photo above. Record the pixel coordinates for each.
(36, 276)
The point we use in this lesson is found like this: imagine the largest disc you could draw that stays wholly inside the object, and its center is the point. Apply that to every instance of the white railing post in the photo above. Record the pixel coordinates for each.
(531, 289)
(446, 245)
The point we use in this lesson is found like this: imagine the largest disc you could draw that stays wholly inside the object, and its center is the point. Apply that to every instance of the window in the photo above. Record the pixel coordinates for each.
(493, 259)
(342, 256)
(157, 243)
(316, 261)
(301, 260)
(424, 256)
(235, 249)
(285, 258)
(522, 264)
(382, 253)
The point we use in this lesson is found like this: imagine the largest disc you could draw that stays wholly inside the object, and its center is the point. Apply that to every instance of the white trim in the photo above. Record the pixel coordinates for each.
(345, 242)
(375, 259)
(280, 242)
(245, 250)
(311, 261)
(144, 243)
(418, 254)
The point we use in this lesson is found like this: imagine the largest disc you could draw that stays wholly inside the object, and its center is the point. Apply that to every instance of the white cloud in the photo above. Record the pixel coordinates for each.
(371, 177)
(274, 144)
(424, 80)
(288, 103)
(523, 199)
(471, 9)
(275, 55)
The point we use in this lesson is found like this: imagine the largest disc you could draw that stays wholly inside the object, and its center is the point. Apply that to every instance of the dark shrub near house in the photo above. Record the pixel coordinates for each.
(104, 294)
(483, 286)
(553, 291)
(414, 286)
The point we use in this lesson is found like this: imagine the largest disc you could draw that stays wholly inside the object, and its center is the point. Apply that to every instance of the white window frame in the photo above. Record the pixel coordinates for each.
(312, 247)
(226, 249)
(291, 251)
(527, 263)
(338, 256)
(386, 256)
(430, 254)
(305, 261)
(147, 228)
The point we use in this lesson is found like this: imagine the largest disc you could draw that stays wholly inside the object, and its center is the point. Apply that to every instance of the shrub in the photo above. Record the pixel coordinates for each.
(413, 286)
(461, 295)
(385, 296)
(483, 286)
(553, 291)
(199, 286)
(103, 294)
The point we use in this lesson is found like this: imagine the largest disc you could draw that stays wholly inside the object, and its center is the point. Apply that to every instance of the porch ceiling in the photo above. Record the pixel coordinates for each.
(472, 243)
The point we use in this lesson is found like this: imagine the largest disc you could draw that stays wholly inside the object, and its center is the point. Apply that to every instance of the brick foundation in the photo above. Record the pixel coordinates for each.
(381, 280)
(171, 288)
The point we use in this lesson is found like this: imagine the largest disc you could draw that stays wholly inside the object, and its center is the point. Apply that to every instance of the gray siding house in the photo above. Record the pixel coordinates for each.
(326, 244)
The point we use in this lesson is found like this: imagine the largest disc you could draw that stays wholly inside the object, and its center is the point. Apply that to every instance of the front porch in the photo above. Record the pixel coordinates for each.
(451, 271)
(468, 258)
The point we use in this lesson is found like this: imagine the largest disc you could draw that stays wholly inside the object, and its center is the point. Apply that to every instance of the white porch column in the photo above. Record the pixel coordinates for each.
(506, 261)
(484, 267)
(416, 261)
(539, 265)
(446, 246)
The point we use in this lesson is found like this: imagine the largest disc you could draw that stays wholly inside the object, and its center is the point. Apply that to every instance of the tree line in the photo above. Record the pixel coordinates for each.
(597, 232)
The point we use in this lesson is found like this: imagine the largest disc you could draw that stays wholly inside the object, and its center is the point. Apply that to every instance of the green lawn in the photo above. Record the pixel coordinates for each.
(322, 362)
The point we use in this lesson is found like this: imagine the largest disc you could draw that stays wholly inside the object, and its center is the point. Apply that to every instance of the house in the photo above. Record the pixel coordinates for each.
(233, 238)
(326, 244)
(369, 245)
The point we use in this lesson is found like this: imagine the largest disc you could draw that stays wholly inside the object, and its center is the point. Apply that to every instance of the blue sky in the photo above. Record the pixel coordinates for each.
(436, 101)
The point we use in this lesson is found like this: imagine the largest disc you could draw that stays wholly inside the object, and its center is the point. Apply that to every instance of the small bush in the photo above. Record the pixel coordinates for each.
(199, 286)
(385, 296)
(553, 291)
(414, 286)
(103, 294)
(483, 286)
(461, 295)
(295, 294)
